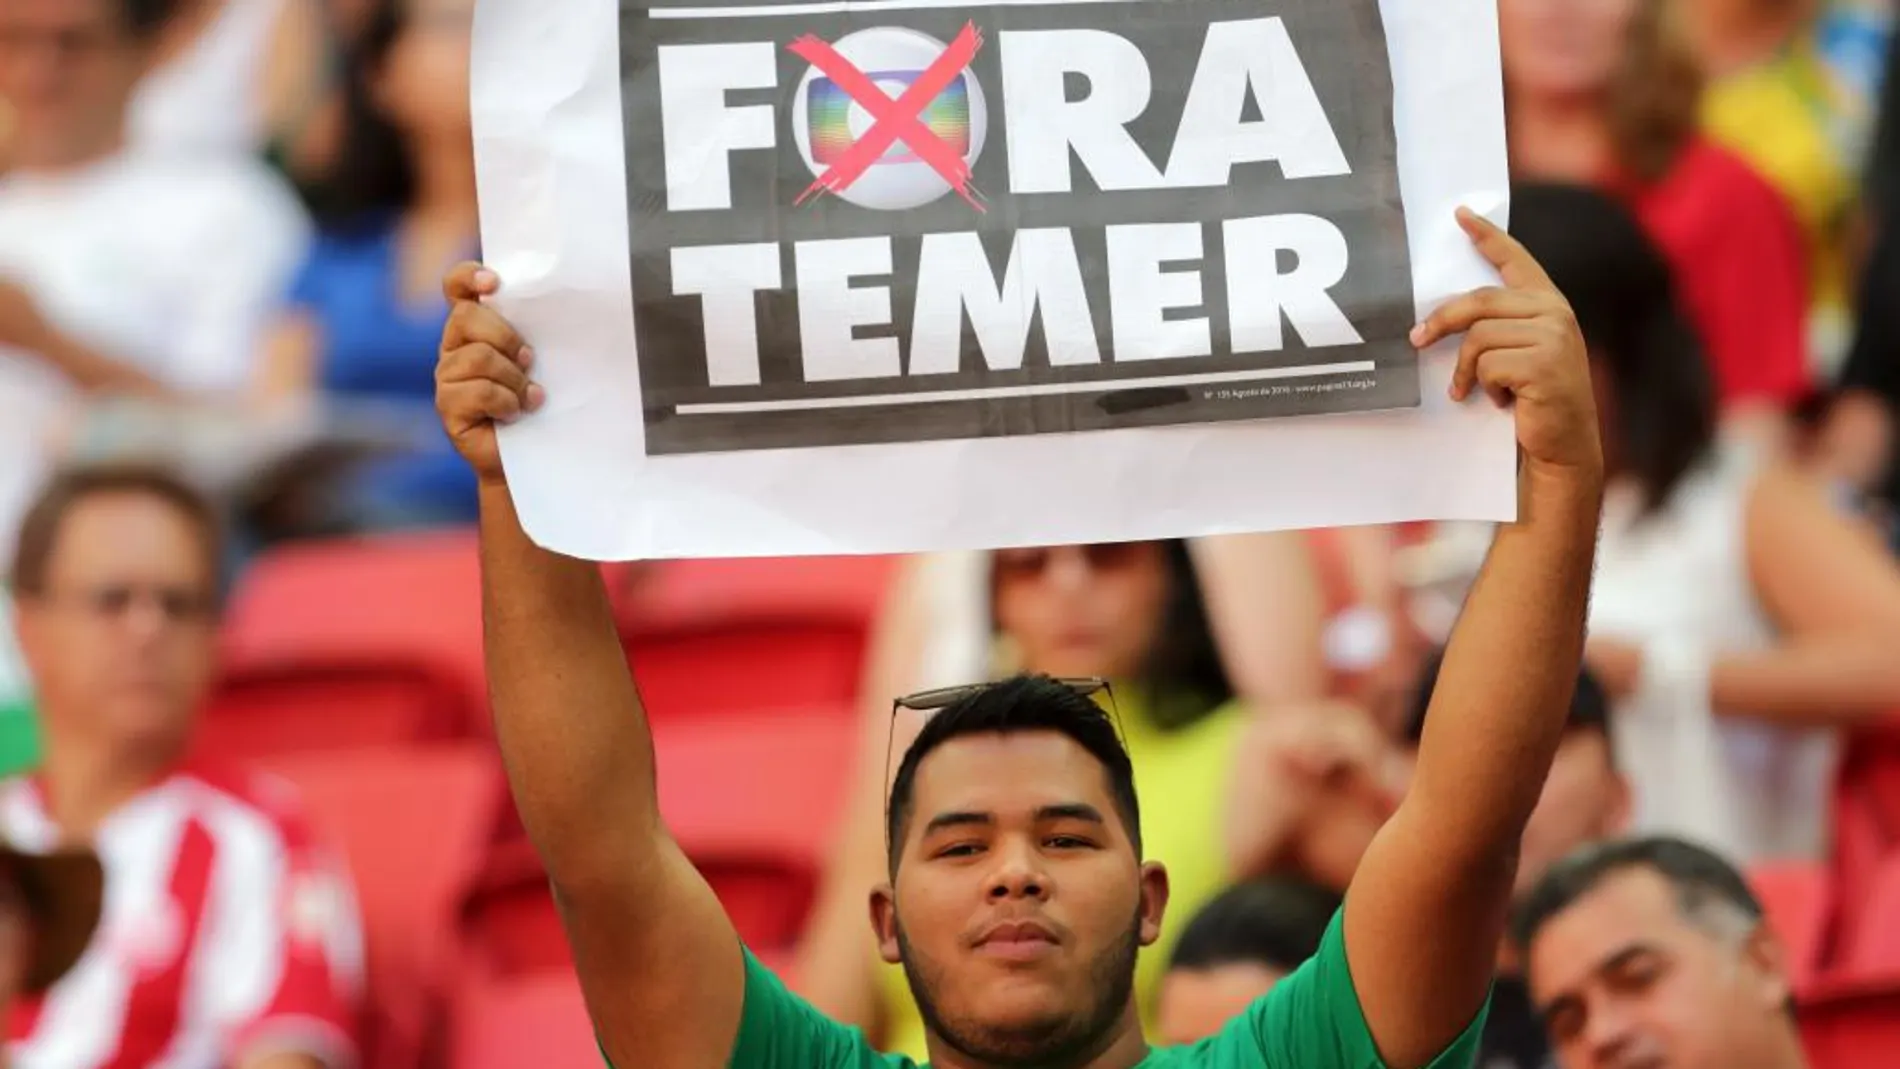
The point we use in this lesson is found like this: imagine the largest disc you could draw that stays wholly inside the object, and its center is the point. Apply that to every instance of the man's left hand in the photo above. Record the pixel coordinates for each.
(1522, 345)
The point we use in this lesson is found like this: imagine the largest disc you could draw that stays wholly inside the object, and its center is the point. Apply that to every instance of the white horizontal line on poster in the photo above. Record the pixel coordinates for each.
(931, 397)
(830, 7)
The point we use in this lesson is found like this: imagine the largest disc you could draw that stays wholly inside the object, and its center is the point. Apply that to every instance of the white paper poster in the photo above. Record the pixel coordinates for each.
(904, 275)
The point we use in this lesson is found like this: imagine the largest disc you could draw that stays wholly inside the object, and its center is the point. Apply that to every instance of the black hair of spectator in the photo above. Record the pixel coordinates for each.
(1663, 396)
(1277, 922)
(371, 176)
(39, 532)
(1017, 705)
(1589, 703)
(1183, 678)
(143, 19)
(1705, 885)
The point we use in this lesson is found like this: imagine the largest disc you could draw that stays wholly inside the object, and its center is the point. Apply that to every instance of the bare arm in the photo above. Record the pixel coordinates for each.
(1835, 594)
(1427, 908)
(658, 960)
(837, 953)
(281, 1060)
(1267, 612)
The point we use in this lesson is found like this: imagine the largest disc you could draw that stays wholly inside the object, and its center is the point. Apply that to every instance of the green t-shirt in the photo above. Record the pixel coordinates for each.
(1310, 1020)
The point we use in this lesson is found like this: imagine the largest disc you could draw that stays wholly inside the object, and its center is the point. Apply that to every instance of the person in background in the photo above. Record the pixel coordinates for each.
(1249, 938)
(1739, 617)
(234, 77)
(1774, 98)
(1655, 952)
(230, 939)
(1605, 93)
(120, 272)
(1328, 780)
(1131, 612)
(365, 309)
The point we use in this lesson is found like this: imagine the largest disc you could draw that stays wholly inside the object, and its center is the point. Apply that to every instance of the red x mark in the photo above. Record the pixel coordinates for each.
(894, 118)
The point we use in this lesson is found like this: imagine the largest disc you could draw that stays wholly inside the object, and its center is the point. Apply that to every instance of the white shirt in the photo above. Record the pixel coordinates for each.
(1678, 585)
(227, 930)
(208, 98)
(172, 265)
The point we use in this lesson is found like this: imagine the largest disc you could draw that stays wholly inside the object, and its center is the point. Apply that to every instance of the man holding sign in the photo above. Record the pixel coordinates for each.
(1017, 895)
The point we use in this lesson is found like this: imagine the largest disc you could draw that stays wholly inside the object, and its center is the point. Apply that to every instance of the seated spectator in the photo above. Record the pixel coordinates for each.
(366, 310)
(1326, 781)
(1655, 952)
(233, 77)
(1604, 94)
(1738, 616)
(1130, 612)
(1249, 938)
(119, 271)
(49, 909)
(230, 938)
(1801, 121)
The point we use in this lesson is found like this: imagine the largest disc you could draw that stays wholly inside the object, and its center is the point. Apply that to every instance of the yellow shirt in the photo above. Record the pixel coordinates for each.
(1791, 118)
(1181, 781)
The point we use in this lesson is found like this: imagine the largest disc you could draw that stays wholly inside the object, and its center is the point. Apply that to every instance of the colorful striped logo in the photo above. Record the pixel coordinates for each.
(828, 113)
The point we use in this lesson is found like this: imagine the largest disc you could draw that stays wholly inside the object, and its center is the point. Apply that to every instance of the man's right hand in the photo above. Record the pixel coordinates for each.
(481, 372)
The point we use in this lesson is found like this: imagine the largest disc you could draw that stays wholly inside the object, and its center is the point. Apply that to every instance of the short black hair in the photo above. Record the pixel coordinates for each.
(1623, 293)
(1277, 922)
(143, 19)
(1019, 704)
(1702, 880)
(1589, 704)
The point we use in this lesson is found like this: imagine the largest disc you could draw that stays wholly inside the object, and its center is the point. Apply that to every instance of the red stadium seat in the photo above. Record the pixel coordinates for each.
(515, 1022)
(1851, 1025)
(1875, 949)
(414, 825)
(752, 799)
(724, 636)
(1866, 826)
(1798, 900)
(357, 643)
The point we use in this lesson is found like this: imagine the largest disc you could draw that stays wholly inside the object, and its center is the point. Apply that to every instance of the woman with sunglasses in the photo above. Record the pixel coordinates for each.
(1145, 616)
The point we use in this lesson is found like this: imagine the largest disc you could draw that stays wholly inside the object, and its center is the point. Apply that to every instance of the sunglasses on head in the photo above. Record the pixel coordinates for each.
(1031, 561)
(930, 701)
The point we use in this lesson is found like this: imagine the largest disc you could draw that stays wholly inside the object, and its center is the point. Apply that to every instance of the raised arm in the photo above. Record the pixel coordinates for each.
(658, 959)
(1427, 907)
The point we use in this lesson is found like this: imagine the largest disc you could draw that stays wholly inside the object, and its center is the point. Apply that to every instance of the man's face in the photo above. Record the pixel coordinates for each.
(67, 67)
(120, 641)
(1625, 979)
(1019, 902)
(1197, 1003)
(1585, 801)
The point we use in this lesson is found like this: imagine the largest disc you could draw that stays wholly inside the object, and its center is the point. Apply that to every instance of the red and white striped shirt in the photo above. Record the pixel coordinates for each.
(228, 931)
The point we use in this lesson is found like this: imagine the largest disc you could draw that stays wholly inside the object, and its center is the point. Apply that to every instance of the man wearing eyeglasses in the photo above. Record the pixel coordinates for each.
(1018, 897)
(230, 939)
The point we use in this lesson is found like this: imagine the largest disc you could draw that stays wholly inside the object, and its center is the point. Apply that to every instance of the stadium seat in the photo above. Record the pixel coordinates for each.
(1875, 949)
(724, 636)
(752, 799)
(1852, 1024)
(513, 1022)
(1866, 827)
(414, 826)
(356, 643)
(1797, 899)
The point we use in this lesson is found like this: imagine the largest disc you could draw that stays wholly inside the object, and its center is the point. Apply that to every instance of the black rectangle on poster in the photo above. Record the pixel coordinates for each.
(885, 222)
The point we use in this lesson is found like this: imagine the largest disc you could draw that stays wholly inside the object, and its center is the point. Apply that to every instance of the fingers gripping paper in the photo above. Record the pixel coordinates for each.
(892, 275)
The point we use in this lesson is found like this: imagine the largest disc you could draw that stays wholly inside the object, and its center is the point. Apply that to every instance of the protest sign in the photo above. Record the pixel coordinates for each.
(888, 275)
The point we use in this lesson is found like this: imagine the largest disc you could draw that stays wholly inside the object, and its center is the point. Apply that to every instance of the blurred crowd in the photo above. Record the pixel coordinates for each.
(222, 229)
